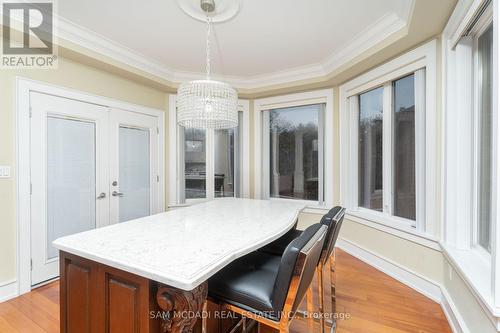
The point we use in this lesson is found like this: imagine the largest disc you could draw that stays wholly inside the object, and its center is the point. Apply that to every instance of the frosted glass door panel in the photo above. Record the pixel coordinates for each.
(71, 179)
(135, 180)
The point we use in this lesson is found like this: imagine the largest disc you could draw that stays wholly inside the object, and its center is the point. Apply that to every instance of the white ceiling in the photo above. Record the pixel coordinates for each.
(269, 40)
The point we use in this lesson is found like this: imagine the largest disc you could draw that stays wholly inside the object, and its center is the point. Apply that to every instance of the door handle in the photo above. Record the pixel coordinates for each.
(102, 196)
(117, 194)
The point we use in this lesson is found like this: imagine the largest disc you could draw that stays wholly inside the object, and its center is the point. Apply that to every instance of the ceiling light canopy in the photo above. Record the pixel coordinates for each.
(207, 104)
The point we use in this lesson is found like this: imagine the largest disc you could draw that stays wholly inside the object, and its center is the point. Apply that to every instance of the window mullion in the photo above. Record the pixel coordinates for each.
(353, 189)
(266, 172)
(210, 164)
(463, 182)
(387, 150)
(321, 153)
(420, 142)
(181, 177)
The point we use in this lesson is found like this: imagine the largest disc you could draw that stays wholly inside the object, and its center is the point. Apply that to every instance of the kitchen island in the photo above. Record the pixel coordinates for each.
(117, 278)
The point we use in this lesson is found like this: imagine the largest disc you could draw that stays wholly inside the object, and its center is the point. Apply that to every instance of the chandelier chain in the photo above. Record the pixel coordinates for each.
(208, 64)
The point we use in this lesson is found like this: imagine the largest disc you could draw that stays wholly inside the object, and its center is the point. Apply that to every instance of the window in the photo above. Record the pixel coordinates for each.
(219, 180)
(370, 149)
(483, 78)
(293, 145)
(294, 152)
(388, 144)
(403, 158)
(227, 162)
(195, 163)
(471, 143)
(388, 148)
(208, 164)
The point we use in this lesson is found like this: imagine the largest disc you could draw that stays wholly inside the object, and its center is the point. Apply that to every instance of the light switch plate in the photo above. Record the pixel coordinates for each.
(4, 171)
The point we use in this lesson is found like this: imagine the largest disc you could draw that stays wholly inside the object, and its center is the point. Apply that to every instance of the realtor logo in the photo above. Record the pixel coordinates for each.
(28, 37)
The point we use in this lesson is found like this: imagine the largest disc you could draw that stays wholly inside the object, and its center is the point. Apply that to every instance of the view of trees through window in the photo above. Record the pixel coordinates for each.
(294, 152)
(404, 147)
(370, 149)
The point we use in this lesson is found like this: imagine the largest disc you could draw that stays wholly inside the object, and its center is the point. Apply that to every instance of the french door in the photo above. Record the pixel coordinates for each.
(91, 166)
(133, 165)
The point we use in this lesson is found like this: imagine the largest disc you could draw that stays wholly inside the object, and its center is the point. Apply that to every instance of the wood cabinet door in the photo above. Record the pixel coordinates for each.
(96, 298)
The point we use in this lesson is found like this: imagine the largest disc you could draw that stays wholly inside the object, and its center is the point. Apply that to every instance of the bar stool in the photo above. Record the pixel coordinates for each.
(333, 220)
(269, 288)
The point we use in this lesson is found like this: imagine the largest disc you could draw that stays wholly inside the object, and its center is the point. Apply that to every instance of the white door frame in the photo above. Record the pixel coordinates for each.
(23, 212)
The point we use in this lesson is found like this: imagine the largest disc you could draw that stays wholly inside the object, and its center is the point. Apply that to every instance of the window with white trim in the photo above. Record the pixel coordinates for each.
(470, 154)
(222, 178)
(208, 164)
(386, 149)
(483, 114)
(294, 152)
(469, 138)
(388, 141)
(293, 140)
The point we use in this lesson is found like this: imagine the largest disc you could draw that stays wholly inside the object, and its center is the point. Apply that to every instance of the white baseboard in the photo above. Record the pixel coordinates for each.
(455, 320)
(413, 280)
(426, 287)
(8, 290)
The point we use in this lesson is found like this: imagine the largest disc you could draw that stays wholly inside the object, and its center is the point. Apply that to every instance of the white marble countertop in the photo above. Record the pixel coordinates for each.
(184, 247)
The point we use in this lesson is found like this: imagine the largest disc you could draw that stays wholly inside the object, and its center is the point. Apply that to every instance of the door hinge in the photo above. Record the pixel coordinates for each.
(157, 130)
(157, 178)
(31, 111)
(31, 264)
(31, 189)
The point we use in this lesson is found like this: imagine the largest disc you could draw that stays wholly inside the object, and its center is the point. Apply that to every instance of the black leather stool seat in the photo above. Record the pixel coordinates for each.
(259, 282)
(248, 283)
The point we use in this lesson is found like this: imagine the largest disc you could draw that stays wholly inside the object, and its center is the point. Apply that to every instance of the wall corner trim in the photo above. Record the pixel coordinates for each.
(8, 290)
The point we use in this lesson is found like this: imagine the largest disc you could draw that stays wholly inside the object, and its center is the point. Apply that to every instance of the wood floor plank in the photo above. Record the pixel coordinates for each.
(375, 303)
(19, 321)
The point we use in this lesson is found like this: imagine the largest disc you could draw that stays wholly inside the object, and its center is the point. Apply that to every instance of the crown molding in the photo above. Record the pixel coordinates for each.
(97, 43)
(389, 26)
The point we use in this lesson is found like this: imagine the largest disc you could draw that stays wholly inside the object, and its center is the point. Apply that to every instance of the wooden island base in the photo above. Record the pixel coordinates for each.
(96, 298)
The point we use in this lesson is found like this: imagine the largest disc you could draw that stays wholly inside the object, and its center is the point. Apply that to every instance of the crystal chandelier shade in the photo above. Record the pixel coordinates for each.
(207, 104)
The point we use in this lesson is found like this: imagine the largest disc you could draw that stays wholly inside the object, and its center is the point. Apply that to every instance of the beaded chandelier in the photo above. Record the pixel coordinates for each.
(207, 103)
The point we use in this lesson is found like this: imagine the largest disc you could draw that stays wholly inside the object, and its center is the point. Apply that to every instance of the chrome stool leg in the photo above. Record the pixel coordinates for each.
(310, 309)
(244, 325)
(204, 317)
(321, 307)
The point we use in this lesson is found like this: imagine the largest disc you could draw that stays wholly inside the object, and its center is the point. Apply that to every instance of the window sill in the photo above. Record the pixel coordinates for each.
(189, 202)
(476, 273)
(312, 207)
(401, 230)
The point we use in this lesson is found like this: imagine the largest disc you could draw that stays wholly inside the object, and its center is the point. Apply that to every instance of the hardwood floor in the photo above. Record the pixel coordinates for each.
(374, 302)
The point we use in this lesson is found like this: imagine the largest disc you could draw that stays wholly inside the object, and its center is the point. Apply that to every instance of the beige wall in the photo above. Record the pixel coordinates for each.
(70, 75)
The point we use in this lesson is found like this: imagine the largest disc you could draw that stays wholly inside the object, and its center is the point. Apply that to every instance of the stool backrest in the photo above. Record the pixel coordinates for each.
(333, 220)
(297, 268)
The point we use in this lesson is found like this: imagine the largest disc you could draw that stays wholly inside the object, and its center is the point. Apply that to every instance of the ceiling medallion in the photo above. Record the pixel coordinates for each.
(224, 11)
